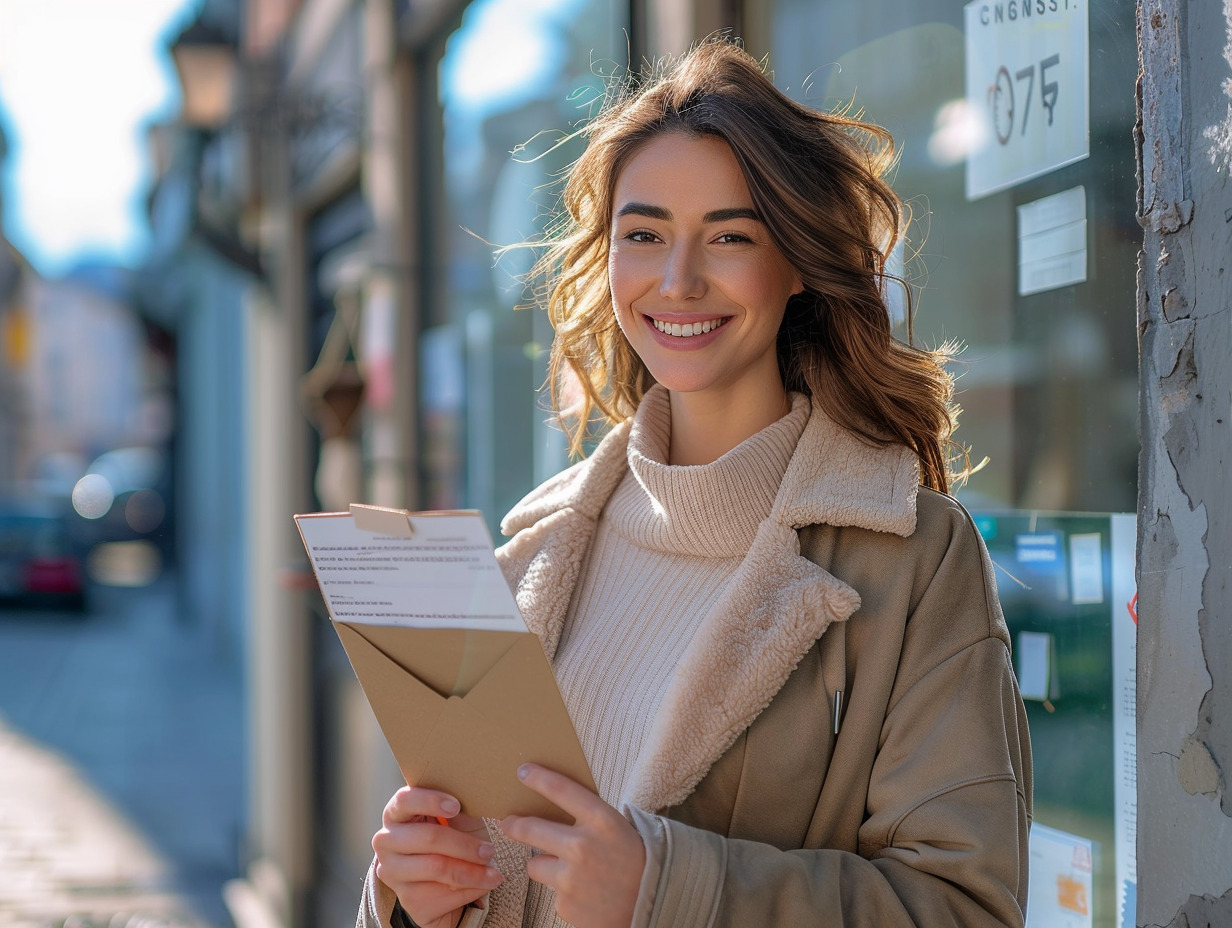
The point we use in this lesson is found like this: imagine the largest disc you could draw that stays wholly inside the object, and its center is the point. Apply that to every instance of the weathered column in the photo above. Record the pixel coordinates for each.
(280, 839)
(1184, 137)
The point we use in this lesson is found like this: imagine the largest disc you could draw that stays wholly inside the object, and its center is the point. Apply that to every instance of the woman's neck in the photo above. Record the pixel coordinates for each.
(706, 428)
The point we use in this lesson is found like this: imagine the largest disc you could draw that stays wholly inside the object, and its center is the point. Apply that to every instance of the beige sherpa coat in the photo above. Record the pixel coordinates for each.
(753, 810)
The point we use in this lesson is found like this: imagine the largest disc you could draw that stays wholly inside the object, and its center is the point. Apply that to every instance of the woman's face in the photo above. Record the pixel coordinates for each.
(699, 288)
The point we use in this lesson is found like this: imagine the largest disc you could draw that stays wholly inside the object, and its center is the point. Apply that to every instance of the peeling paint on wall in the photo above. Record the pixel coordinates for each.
(1205, 912)
(1184, 139)
(1196, 769)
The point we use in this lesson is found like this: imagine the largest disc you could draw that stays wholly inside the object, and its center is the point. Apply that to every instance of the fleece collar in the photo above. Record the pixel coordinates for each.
(834, 478)
(773, 610)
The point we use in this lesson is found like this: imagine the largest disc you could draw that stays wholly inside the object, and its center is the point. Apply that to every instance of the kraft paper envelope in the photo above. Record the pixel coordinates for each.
(461, 707)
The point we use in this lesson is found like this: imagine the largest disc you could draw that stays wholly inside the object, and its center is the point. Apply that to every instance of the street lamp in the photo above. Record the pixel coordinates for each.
(220, 91)
(205, 61)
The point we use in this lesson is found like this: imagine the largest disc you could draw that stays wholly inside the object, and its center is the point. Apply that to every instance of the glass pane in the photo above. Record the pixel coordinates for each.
(1048, 380)
(1048, 376)
(514, 78)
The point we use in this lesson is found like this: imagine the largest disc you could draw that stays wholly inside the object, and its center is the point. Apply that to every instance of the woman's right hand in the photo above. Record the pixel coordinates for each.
(434, 869)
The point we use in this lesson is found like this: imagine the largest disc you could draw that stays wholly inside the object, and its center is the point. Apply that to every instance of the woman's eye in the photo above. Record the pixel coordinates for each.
(733, 238)
(641, 235)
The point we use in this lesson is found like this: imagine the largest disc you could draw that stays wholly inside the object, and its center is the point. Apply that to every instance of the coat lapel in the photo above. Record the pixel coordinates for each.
(552, 528)
(776, 605)
(542, 565)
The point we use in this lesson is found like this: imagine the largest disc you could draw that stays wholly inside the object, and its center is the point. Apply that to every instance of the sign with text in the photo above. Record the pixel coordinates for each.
(1028, 79)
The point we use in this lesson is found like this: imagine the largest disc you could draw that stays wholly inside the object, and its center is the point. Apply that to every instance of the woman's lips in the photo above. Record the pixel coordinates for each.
(670, 333)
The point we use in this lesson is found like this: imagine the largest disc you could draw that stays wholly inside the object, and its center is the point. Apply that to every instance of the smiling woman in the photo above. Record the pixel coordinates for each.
(699, 289)
(778, 638)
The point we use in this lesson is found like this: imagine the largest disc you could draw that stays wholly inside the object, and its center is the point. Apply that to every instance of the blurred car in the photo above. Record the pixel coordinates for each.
(122, 501)
(41, 559)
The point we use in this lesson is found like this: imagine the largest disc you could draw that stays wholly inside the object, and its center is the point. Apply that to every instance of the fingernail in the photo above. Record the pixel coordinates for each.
(495, 877)
(450, 807)
(486, 851)
(523, 772)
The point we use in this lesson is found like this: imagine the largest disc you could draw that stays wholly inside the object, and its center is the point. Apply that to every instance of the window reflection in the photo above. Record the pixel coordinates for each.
(514, 78)
(1048, 381)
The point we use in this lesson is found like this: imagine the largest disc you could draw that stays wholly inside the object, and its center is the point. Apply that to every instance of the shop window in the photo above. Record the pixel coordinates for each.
(1014, 123)
(514, 77)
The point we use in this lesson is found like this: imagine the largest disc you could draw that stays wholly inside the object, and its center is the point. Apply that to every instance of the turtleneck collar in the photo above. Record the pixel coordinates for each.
(707, 510)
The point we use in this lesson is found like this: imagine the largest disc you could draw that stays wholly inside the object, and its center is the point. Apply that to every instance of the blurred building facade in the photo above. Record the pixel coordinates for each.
(78, 378)
(334, 257)
(13, 341)
(83, 396)
(16, 281)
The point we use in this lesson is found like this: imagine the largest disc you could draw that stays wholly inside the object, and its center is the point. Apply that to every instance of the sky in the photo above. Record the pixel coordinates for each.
(79, 80)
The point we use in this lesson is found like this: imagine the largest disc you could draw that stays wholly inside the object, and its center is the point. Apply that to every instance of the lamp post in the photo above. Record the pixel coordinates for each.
(205, 62)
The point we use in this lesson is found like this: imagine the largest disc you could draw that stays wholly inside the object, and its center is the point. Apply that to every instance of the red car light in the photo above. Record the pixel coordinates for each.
(53, 575)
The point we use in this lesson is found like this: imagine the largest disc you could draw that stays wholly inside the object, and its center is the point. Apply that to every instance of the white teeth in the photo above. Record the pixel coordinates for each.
(687, 329)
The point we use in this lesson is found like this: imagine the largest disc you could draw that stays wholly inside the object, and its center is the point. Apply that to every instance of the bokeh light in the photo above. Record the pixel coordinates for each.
(93, 496)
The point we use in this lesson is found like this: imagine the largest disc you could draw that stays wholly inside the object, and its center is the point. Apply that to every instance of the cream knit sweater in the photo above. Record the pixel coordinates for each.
(667, 542)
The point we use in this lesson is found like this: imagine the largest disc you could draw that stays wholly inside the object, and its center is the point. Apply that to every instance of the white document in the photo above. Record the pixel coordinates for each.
(433, 570)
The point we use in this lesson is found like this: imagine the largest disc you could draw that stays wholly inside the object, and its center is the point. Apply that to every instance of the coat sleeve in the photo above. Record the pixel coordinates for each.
(379, 908)
(943, 841)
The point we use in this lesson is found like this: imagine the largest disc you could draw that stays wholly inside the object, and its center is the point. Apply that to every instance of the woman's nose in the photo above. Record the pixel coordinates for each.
(682, 274)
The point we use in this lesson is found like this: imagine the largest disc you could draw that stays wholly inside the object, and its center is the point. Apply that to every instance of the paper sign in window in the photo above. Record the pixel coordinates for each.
(1052, 242)
(1034, 665)
(1086, 569)
(1059, 895)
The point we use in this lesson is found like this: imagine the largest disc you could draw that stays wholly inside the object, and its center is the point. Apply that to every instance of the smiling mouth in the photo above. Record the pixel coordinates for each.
(688, 329)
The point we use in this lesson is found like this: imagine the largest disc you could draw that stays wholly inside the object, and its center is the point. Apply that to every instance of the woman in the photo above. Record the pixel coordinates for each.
(779, 640)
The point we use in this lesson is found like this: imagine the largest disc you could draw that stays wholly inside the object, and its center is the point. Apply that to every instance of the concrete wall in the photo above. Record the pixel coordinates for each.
(1185, 501)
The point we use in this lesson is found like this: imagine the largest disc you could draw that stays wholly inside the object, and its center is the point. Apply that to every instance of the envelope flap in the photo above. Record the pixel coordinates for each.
(471, 745)
(449, 660)
(406, 708)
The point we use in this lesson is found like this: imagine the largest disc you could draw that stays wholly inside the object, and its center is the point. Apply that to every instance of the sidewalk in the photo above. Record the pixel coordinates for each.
(121, 766)
(67, 858)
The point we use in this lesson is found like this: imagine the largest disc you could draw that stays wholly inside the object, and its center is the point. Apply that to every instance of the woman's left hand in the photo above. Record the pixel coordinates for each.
(594, 865)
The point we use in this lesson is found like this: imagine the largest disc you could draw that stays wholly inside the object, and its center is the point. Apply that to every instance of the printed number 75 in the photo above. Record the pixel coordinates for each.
(1001, 97)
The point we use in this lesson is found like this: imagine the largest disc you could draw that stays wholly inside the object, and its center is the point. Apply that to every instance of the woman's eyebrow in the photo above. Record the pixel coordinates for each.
(645, 209)
(733, 212)
(716, 215)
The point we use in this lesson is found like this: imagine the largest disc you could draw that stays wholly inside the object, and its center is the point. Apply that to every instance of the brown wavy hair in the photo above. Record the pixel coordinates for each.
(816, 179)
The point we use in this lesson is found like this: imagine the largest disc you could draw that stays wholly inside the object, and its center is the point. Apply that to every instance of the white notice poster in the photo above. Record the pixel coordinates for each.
(1052, 241)
(1124, 715)
(1028, 79)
